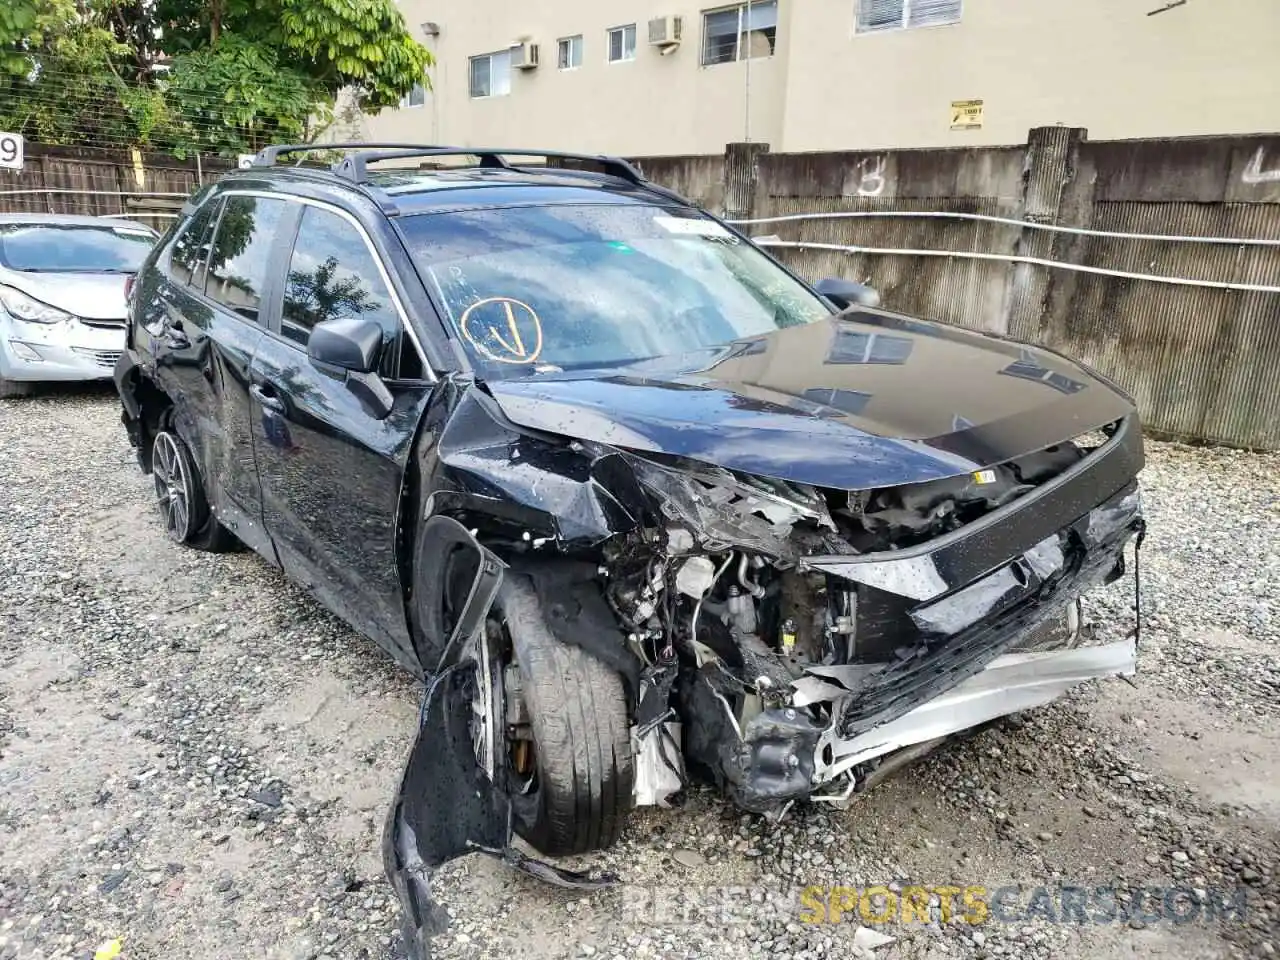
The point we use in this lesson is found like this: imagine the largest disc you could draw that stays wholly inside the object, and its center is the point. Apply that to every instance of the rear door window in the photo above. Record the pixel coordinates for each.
(239, 259)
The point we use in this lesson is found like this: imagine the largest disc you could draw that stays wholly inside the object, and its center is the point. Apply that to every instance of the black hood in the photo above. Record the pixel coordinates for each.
(864, 400)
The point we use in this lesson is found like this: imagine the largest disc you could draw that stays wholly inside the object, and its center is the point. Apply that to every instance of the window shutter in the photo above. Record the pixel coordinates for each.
(926, 13)
(879, 15)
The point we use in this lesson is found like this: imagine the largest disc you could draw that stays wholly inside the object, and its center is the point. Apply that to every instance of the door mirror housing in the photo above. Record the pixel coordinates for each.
(353, 346)
(348, 343)
(845, 293)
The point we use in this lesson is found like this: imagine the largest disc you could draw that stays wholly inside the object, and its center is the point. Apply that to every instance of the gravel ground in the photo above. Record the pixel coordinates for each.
(196, 759)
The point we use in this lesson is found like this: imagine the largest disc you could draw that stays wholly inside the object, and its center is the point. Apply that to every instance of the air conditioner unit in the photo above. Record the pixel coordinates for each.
(665, 31)
(524, 55)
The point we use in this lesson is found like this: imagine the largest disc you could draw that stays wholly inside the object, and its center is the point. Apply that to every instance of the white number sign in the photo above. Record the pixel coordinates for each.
(10, 151)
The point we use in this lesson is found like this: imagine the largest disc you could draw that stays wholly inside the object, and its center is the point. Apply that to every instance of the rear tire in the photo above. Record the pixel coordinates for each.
(180, 496)
(585, 772)
(13, 388)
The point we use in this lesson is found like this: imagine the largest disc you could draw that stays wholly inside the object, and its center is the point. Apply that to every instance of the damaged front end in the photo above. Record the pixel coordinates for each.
(781, 639)
(818, 629)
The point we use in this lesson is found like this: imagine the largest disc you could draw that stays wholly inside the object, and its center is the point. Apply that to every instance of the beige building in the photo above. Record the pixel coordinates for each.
(611, 75)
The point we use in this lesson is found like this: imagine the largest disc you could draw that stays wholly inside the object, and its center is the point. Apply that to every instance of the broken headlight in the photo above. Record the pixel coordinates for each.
(722, 509)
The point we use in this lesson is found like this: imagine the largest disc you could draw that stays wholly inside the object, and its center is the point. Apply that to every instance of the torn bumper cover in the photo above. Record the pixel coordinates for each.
(950, 671)
(126, 374)
(446, 808)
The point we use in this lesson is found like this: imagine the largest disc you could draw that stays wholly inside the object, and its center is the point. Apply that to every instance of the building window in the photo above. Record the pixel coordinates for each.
(622, 43)
(491, 74)
(875, 15)
(570, 52)
(735, 33)
(415, 97)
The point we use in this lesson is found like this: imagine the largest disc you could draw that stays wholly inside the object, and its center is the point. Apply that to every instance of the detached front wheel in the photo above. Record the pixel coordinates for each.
(568, 738)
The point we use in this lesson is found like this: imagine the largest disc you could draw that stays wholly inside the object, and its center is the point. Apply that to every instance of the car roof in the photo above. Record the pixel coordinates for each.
(407, 191)
(70, 220)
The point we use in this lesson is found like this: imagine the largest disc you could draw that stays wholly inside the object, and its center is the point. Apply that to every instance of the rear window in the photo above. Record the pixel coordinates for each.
(73, 248)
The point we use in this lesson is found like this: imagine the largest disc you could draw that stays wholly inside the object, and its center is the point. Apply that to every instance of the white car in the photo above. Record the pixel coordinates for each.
(62, 295)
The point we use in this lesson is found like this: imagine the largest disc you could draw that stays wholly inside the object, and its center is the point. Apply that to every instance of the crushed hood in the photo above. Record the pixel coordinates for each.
(94, 296)
(864, 400)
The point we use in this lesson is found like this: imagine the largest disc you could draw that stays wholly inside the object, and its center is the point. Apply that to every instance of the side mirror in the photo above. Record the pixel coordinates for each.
(845, 293)
(353, 345)
(346, 342)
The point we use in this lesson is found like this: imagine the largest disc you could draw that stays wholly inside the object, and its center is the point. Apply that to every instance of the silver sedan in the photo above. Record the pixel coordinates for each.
(62, 295)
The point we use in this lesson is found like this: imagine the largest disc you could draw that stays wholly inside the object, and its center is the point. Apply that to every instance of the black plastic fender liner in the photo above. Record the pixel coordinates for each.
(446, 808)
(437, 543)
(126, 376)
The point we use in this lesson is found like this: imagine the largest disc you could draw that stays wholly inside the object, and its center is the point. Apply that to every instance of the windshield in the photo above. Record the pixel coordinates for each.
(73, 248)
(542, 289)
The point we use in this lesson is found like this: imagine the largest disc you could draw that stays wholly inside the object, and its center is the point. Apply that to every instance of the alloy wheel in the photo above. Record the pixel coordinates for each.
(173, 486)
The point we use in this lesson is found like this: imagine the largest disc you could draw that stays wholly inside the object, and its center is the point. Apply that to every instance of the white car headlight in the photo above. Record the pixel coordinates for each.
(18, 304)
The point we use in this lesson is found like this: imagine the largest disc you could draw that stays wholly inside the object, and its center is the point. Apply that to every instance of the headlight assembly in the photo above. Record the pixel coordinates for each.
(23, 307)
(723, 510)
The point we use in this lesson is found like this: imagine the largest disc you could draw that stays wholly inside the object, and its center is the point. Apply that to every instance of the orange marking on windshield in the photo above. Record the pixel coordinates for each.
(484, 334)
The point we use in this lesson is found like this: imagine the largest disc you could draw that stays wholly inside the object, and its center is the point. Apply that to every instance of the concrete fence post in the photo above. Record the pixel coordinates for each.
(741, 178)
(1051, 164)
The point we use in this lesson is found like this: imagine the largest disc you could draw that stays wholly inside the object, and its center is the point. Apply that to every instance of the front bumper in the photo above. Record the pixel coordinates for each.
(970, 603)
(69, 350)
(1009, 684)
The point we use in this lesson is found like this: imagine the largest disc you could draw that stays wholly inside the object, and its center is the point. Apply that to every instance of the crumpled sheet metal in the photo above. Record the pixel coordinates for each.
(1011, 683)
(660, 772)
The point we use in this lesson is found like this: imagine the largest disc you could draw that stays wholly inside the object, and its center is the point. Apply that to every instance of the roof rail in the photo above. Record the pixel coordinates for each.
(355, 166)
(268, 156)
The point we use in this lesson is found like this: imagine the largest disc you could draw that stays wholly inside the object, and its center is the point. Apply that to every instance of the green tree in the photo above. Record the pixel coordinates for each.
(226, 76)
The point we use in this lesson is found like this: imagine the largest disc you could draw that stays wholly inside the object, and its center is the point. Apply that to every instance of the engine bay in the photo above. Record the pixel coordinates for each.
(722, 604)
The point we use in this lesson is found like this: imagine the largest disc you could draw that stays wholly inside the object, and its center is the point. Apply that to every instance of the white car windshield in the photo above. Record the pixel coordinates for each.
(578, 286)
(73, 248)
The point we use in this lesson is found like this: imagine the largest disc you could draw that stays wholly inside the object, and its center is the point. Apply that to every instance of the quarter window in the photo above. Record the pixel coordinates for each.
(876, 15)
(333, 274)
(735, 33)
(491, 74)
(622, 43)
(570, 52)
(186, 261)
(241, 252)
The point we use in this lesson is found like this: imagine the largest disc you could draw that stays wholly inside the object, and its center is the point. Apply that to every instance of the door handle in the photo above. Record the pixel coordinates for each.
(266, 395)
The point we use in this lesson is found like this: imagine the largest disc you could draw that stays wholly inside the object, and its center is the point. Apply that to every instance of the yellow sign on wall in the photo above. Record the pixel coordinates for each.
(966, 114)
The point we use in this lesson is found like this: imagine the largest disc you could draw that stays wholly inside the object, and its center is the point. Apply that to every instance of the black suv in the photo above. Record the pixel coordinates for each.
(635, 501)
